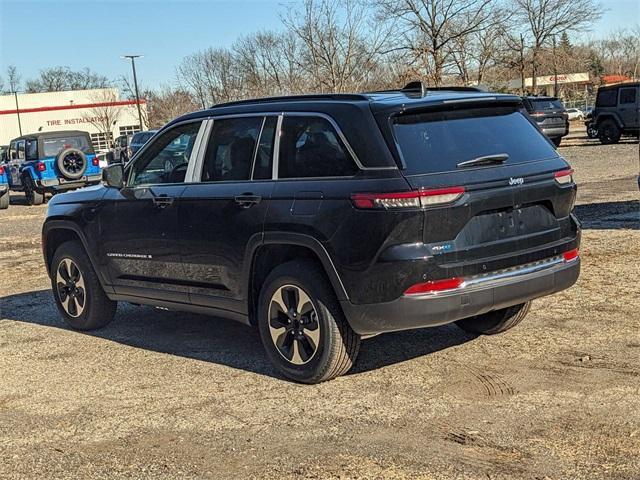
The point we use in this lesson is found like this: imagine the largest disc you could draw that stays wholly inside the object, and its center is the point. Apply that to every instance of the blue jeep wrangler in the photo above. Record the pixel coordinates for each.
(51, 162)
(4, 180)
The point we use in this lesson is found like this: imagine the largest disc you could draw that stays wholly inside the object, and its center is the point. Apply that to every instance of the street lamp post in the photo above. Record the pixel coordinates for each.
(18, 112)
(135, 84)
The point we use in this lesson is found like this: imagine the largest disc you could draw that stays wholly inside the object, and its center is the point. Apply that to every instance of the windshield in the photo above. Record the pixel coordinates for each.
(142, 137)
(547, 104)
(53, 146)
(434, 142)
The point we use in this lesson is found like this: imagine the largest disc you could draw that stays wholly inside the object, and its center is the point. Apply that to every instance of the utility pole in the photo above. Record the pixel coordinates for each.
(135, 84)
(18, 112)
(555, 70)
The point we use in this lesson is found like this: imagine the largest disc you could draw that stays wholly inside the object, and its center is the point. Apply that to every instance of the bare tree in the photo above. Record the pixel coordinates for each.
(341, 43)
(168, 103)
(104, 114)
(57, 79)
(430, 26)
(545, 19)
(13, 78)
(128, 91)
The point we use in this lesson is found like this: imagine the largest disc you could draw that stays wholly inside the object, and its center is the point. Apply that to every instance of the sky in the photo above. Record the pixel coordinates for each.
(95, 33)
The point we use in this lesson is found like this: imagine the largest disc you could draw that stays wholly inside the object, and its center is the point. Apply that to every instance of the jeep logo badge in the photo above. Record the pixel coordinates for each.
(516, 181)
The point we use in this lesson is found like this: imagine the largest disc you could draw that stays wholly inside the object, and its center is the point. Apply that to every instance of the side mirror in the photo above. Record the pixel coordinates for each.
(113, 175)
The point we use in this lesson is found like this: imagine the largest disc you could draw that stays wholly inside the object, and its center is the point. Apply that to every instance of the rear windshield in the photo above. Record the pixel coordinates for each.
(438, 141)
(53, 146)
(142, 137)
(547, 104)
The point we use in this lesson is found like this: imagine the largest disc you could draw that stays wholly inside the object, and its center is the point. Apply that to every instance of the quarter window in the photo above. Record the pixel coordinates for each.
(627, 95)
(231, 149)
(167, 158)
(310, 147)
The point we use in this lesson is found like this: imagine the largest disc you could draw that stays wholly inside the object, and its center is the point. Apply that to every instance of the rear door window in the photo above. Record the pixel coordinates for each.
(53, 146)
(547, 104)
(627, 95)
(434, 142)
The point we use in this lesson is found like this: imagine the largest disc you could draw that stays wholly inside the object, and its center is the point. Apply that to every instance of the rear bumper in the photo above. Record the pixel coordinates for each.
(554, 132)
(59, 184)
(477, 295)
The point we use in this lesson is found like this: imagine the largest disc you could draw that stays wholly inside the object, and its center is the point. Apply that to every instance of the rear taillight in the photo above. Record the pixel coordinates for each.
(95, 162)
(41, 166)
(571, 255)
(412, 199)
(564, 177)
(537, 114)
(1, 170)
(434, 286)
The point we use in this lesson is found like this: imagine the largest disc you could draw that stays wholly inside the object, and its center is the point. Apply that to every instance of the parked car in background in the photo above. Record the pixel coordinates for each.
(322, 219)
(575, 114)
(4, 186)
(120, 150)
(50, 162)
(550, 115)
(617, 112)
(137, 141)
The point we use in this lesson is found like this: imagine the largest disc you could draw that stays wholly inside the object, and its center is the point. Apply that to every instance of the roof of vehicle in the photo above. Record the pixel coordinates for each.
(618, 85)
(55, 134)
(539, 97)
(389, 100)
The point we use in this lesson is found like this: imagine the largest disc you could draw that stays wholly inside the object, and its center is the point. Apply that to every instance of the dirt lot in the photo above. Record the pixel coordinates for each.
(160, 394)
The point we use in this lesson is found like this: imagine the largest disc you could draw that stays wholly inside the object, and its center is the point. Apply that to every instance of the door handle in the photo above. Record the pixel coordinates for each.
(247, 200)
(162, 201)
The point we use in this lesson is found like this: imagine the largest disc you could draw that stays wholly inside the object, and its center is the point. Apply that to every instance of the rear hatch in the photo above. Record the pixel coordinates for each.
(515, 209)
(548, 112)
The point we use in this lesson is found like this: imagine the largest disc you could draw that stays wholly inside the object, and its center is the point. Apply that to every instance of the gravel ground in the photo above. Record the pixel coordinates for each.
(171, 395)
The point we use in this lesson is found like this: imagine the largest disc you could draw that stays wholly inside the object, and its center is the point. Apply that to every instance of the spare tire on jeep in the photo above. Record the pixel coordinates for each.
(72, 163)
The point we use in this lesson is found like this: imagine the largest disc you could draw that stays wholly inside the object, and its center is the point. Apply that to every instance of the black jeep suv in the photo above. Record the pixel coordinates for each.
(617, 113)
(550, 115)
(323, 219)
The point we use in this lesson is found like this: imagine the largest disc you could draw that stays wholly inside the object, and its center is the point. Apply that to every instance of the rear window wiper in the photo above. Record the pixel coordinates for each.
(486, 160)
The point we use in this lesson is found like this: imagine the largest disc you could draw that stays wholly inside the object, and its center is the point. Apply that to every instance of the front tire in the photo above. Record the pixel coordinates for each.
(77, 291)
(495, 322)
(4, 201)
(302, 326)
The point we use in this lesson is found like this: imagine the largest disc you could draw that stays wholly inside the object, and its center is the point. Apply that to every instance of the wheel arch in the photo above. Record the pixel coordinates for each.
(609, 116)
(278, 248)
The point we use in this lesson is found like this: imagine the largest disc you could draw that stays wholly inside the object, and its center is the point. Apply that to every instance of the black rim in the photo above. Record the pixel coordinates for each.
(293, 324)
(71, 289)
(73, 163)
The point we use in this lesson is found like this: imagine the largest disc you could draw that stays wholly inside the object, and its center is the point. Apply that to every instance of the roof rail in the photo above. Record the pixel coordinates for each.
(418, 88)
(285, 98)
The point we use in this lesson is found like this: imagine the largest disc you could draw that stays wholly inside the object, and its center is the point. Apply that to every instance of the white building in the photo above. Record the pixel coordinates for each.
(94, 111)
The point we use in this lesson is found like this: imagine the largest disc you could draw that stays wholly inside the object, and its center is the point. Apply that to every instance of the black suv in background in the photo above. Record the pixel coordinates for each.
(323, 219)
(550, 115)
(137, 141)
(617, 112)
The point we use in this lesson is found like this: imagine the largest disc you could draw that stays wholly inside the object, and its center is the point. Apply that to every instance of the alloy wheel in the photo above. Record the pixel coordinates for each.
(73, 163)
(293, 324)
(71, 288)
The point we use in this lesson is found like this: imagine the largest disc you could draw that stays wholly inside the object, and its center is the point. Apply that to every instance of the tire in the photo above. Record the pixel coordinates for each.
(608, 132)
(592, 131)
(72, 163)
(336, 344)
(4, 201)
(556, 141)
(93, 309)
(495, 322)
(33, 196)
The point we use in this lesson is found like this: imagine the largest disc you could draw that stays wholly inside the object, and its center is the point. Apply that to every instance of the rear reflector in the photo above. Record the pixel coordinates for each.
(564, 177)
(95, 162)
(435, 286)
(412, 199)
(571, 255)
(41, 167)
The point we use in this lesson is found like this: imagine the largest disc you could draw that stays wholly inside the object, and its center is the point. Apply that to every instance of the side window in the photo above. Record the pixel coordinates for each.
(13, 154)
(263, 167)
(166, 160)
(310, 147)
(627, 95)
(606, 98)
(231, 149)
(20, 149)
(32, 149)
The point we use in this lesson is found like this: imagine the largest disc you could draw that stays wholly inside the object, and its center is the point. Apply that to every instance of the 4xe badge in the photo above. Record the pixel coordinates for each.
(516, 181)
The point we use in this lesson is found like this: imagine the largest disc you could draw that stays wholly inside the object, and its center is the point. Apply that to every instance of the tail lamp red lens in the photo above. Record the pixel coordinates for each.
(433, 286)
(571, 255)
(41, 166)
(411, 199)
(1, 170)
(564, 177)
(95, 162)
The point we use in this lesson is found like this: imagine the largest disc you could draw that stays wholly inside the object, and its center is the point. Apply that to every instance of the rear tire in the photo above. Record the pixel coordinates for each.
(33, 197)
(495, 322)
(608, 132)
(556, 141)
(77, 291)
(302, 326)
(4, 201)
